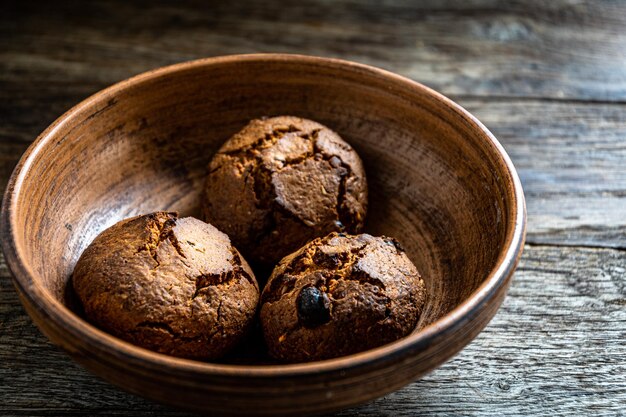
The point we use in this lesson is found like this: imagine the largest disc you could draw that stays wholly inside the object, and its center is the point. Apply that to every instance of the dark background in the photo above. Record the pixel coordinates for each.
(547, 77)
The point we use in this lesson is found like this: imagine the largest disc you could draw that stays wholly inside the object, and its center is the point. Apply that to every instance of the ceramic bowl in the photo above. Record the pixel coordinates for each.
(439, 182)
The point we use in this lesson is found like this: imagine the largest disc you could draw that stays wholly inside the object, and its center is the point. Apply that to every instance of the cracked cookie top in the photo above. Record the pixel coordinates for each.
(338, 295)
(176, 286)
(281, 182)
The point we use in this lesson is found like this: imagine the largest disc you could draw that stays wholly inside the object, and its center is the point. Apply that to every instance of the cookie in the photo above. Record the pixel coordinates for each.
(339, 295)
(175, 286)
(281, 182)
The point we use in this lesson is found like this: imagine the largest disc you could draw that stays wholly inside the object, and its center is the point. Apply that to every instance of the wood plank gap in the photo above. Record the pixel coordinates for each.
(547, 99)
(574, 246)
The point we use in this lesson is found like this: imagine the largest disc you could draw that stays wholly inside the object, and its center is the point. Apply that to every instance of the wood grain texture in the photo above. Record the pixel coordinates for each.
(570, 49)
(571, 158)
(555, 347)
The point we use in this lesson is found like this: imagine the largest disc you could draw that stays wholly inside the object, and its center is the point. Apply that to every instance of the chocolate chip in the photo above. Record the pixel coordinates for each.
(313, 307)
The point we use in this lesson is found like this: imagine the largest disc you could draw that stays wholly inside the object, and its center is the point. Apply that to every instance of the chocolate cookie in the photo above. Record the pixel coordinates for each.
(339, 295)
(282, 181)
(176, 286)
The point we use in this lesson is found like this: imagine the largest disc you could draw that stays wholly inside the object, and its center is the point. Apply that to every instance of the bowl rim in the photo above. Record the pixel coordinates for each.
(103, 342)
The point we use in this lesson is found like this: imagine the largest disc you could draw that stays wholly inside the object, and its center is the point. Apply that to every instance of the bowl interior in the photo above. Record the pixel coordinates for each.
(436, 182)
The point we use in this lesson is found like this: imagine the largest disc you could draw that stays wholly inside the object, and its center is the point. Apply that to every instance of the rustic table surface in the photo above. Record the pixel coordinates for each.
(549, 80)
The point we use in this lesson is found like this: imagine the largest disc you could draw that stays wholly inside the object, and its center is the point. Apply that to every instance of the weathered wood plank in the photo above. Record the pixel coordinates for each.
(556, 347)
(571, 49)
(571, 158)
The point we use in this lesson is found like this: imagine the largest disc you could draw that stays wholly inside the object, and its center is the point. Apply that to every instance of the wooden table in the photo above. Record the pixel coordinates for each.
(548, 78)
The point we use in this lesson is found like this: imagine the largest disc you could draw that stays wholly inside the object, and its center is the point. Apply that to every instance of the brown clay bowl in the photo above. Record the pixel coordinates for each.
(439, 182)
